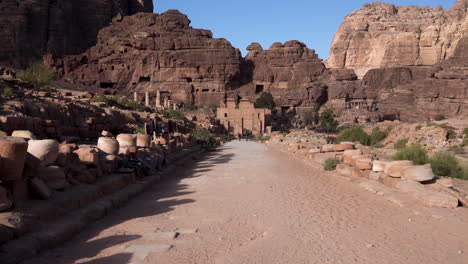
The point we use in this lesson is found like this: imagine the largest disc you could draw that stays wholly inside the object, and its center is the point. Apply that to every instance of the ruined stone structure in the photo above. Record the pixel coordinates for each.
(385, 35)
(244, 118)
(32, 28)
(410, 61)
(291, 72)
(152, 52)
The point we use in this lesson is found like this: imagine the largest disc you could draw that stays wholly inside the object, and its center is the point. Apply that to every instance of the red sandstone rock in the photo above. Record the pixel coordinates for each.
(13, 156)
(146, 52)
(45, 150)
(384, 35)
(32, 28)
(88, 156)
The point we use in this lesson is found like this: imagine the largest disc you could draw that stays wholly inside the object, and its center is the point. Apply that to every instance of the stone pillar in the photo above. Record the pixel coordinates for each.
(158, 99)
(135, 96)
(165, 102)
(147, 101)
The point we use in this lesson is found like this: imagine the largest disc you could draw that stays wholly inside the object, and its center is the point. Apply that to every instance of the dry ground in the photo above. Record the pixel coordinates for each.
(247, 203)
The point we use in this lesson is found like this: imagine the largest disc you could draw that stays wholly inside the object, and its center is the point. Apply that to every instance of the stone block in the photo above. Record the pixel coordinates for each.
(395, 168)
(427, 196)
(127, 140)
(143, 141)
(348, 154)
(45, 150)
(23, 134)
(418, 173)
(343, 146)
(108, 145)
(13, 157)
(378, 165)
(364, 164)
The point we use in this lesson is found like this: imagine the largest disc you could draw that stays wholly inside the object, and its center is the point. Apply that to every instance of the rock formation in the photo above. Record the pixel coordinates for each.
(31, 28)
(292, 73)
(152, 52)
(384, 35)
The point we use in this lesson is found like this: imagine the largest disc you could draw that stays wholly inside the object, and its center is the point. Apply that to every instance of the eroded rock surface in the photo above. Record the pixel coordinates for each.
(150, 52)
(385, 35)
(31, 28)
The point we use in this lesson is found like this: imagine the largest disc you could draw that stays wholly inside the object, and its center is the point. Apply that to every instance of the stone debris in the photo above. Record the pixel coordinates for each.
(427, 196)
(23, 134)
(12, 158)
(418, 173)
(141, 252)
(108, 145)
(46, 150)
(395, 168)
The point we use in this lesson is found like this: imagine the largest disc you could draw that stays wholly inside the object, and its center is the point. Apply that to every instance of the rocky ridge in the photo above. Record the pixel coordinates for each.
(152, 52)
(385, 35)
(32, 28)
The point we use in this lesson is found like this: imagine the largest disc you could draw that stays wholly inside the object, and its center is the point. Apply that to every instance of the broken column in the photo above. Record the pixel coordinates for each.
(158, 99)
(147, 99)
(13, 156)
(135, 96)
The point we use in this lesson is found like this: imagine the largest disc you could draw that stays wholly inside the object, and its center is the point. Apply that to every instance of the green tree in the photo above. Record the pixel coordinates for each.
(265, 101)
(354, 134)
(37, 75)
(327, 121)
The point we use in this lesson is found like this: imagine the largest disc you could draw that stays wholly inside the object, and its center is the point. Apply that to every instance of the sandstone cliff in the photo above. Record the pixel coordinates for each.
(292, 73)
(31, 28)
(384, 35)
(152, 52)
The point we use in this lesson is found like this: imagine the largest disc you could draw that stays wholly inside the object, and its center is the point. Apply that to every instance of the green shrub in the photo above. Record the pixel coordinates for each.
(191, 107)
(377, 136)
(327, 121)
(265, 101)
(465, 132)
(440, 117)
(330, 164)
(451, 134)
(204, 138)
(37, 75)
(140, 130)
(262, 138)
(353, 134)
(415, 153)
(418, 127)
(9, 92)
(120, 102)
(400, 144)
(173, 114)
(445, 164)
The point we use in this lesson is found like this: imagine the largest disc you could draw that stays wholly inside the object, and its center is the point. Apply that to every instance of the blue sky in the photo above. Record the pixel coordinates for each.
(267, 21)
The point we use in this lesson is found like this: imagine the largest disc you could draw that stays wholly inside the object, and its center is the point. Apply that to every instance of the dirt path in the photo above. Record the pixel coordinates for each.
(247, 203)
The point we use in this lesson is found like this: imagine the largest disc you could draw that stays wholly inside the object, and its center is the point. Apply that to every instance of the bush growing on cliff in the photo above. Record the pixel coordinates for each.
(400, 144)
(173, 114)
(37, 75)
(330, 164)
(415, 153)
(445, 164)
(378, 135)
(204, 138)
(440, 117)
(327, 121)
(9, 92)
(354, 134)
(265, 101)
(120, 102)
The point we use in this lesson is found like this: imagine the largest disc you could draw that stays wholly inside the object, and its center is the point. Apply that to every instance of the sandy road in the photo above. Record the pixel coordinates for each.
(250, 204)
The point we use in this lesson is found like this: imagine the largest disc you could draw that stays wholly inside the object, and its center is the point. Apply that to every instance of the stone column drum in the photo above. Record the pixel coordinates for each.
(13, 156)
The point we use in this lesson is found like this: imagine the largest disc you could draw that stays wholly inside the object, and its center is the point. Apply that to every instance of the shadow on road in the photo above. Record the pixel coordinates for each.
(162, 197)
